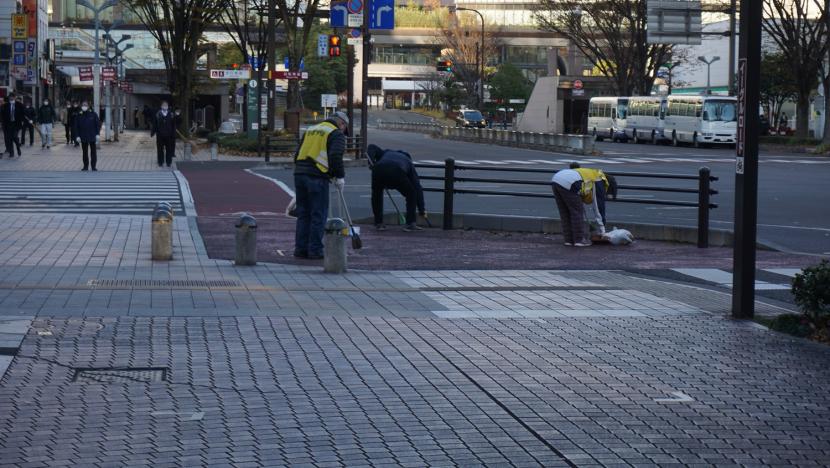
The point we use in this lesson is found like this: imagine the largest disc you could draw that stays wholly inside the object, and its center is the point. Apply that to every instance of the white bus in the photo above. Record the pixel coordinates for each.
(606, 117)
(645, 119)
(701, 120)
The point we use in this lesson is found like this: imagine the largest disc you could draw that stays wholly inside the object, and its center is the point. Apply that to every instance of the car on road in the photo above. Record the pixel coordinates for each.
(470, 118)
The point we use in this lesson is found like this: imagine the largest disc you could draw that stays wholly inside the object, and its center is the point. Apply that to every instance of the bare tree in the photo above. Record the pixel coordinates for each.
(612, 35)
(178, 26)
(460, 40)
(298, 18)
(799, 30)
(432, 84)
(245, 22)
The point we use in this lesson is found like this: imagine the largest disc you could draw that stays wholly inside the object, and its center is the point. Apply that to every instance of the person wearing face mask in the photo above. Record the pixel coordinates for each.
(46, 117)
(29, 117)
(87, 126)
(73, 114)
(12, 117)
(164, 129)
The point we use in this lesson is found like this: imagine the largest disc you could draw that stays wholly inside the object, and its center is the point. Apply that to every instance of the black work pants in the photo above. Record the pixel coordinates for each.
(396, 179)
(165, 148)
(90, 154)
(68, 129)
(12, 138)
(31, 129)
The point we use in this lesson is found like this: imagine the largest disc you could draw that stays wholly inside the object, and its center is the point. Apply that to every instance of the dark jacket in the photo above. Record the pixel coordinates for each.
(87, 125)
(31, 115)
(5, 116)
(46, 114)
(392, 165)
(72, 113)
(165, 125)
(335, 147)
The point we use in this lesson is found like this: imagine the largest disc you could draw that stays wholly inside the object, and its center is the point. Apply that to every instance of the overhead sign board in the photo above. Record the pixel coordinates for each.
(230, 74)
(85, 73)
(328, 100)
(108, 73)
(287, 75)
(674, 22)
(382, 14)
(20, 27)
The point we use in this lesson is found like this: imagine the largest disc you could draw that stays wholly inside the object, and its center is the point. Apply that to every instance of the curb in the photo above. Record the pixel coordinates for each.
(539, 225)
(288, 163)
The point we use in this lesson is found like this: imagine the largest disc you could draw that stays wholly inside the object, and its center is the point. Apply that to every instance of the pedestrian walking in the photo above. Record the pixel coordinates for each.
(318, 162)
(67, 128)
(164, 129)
(87, 126)
(12, 117)
(394, 170)
(46, 117)
(73, 114)
(29, 120)
(135, 118)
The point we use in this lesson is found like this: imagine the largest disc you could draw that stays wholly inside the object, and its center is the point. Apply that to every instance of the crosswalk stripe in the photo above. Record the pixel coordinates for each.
(88, 193)
(724, 278)
(789, 272)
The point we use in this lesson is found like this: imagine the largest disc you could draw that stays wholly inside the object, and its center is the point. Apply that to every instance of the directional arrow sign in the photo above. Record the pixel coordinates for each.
(338, 12)
(382, 14)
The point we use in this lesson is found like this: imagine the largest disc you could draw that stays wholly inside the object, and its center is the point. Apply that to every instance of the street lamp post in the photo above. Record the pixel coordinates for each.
(96, 71)
(118, 54)
(479, 55)
(708, 71)
(108, 91)
(670, 67)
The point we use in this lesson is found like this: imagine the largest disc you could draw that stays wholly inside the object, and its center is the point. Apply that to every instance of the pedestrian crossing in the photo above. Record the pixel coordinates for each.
(614, 160)
(134, 193)
(776, 278)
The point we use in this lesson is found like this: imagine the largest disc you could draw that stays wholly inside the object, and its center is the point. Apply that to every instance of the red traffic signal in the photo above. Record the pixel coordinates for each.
(334, 45)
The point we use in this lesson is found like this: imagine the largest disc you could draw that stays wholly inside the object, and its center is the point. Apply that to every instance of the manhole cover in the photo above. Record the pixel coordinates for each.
(121, 375)
(110, 283)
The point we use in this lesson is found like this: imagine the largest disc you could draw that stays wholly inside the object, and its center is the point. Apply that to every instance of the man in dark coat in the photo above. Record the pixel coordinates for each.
(395, 170)
(29, 118)
(164, 129)
(318, 162)
(73, 113)
(148, 117)
(87, 127)
(12, 117)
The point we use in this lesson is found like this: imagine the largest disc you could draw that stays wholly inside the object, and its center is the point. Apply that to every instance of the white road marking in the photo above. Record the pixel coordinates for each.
(791, 272)
(279, 183)
(679, 397)
(724, 278)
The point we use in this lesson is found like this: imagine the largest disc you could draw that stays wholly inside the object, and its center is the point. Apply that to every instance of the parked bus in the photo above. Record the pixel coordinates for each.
(606, 117)
(701, 120)
(645, 119)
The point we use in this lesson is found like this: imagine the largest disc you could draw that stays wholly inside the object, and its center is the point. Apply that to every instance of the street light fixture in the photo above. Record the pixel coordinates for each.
(96, 77)
(480, 55)
(708, 71)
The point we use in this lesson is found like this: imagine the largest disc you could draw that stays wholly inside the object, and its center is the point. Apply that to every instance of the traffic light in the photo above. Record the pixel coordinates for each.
(444, 66)
(235, 66)
(334, 45)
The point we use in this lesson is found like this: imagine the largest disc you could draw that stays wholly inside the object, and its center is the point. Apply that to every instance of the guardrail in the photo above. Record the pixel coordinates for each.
(704, 190)
(576, 144)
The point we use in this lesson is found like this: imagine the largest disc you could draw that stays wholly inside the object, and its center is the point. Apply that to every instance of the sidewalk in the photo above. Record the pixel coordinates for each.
(196, 362)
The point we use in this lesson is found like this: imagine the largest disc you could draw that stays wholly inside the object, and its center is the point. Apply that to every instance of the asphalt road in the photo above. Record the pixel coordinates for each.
(793, 208)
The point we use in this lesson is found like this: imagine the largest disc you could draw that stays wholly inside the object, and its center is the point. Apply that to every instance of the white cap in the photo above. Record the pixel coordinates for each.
(342, 116)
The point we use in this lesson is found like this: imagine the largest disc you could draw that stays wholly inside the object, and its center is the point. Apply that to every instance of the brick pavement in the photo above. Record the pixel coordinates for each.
(280, 365)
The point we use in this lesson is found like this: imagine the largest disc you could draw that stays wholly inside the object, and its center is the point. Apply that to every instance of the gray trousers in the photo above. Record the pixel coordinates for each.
(571, 212)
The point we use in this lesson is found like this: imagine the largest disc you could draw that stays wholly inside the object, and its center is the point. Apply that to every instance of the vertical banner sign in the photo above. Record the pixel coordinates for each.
(20, 29)
(740, 144)
(253, 112)
(30, 7)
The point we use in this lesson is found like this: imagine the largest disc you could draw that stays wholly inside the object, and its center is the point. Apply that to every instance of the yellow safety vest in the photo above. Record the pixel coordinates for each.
(589, 177)
(314, 145)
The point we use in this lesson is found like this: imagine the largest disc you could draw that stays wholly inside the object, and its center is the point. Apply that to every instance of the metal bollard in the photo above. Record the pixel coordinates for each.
(334, 242)
(214, 152)
(246, 240)
(161, 234)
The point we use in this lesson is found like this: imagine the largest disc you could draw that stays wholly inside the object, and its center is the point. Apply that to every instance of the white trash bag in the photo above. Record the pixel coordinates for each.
(619, 236)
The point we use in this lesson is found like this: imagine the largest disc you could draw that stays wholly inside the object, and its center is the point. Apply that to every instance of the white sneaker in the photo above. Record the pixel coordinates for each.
(568, 244)
(582, 244)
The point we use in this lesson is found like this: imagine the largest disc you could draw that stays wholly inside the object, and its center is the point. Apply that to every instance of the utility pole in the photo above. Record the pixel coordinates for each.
(746, 164)
(350, 87)
(96, 70)
(272, 64)
(364, 89)
(731, 78)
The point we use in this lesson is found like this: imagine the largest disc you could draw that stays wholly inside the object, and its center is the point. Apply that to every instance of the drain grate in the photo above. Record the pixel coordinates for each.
(111, 283)
(121, 375)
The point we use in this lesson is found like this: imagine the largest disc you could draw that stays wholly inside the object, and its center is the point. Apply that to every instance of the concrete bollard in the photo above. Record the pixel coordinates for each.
(245, 240)
(161, 234)
(214, 152)
(187, 151)
(334, 242)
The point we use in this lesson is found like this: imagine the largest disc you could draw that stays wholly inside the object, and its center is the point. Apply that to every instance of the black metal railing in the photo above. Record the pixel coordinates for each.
(703, 190)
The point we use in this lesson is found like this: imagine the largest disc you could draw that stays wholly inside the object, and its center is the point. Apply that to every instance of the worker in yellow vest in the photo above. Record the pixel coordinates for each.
(318, 162)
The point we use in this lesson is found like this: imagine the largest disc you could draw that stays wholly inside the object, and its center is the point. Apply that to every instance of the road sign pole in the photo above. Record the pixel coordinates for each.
(350, 87)
(746, 177)
(364, 89)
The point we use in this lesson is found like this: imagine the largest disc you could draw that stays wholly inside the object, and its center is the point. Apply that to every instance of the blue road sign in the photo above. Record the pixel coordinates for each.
(354, 6)
(382, 14)
(338, 13)
(20, 59)
(19, 47)
(255, 62)
(285, 62)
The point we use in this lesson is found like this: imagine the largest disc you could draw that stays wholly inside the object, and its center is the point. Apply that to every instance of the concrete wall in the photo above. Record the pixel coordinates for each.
(575, 144)
(543, 112)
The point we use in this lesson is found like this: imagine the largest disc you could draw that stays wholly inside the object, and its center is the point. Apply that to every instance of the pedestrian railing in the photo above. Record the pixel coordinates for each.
(704, 191)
